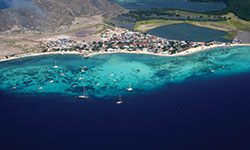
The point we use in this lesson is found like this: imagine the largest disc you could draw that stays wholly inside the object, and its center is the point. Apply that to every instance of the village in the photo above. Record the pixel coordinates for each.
(120, 42)
(124, 41)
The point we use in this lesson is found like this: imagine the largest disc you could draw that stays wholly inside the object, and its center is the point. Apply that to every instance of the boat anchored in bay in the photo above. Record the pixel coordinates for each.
(120, 100)
(129, 88)
(85, 94)
(55, 66)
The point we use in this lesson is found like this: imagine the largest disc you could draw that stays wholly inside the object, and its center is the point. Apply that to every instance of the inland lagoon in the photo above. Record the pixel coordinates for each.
(184, 31)
(180, 4)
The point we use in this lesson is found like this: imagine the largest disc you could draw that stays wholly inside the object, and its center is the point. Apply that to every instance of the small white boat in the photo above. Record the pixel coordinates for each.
(85, 94)
(129, 88)
(14, 88)
(74, 86)
(97, 84)
(62, 74)
(120, 100)
(55, 65)
(115, 80)
(81, 78)
(40, 88)
(82, 70)
(51, 81)
(84, 67)
(212, 70)
(111, 74)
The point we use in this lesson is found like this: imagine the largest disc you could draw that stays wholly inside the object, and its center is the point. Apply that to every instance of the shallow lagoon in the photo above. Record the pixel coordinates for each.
(180, 4)
(108, 75)
(184, 31)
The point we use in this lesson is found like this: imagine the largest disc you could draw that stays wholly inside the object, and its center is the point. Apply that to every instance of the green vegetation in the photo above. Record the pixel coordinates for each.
(231, 25)
(230, 35)
(41, 47)
(104, 27)
(79, 29)
(221, 20)
(172, 14)
(240, 24)
(24, 47)
(239, 7)
(10, 43)
(153, 24)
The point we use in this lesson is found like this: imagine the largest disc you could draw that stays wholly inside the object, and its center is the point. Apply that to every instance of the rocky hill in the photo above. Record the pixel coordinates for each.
(48, 15)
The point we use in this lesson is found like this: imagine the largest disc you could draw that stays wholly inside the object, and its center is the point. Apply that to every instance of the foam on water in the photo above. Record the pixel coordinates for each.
(108, 75)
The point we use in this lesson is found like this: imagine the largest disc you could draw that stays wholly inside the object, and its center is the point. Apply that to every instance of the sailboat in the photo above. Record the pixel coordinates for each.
(62, 74)
(85, 94)
(40, 88)
(55, 65)
(130, 88)
(120, 100)
(81, 78)
(14, 87)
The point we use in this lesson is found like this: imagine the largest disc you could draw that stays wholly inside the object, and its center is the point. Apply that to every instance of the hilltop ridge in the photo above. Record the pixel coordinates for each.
(50, 15)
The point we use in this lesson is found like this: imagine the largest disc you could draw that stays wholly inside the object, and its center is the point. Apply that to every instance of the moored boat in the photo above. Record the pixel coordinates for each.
(85, 94)
(55, 66)
(129, 88)
(120, 100)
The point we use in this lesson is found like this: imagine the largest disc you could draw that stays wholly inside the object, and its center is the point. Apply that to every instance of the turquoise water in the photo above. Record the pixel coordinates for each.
(184, 31)
(180, 4)
(146, 73)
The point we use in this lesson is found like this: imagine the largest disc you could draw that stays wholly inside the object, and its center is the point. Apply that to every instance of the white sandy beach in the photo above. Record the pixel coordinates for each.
(186, 52)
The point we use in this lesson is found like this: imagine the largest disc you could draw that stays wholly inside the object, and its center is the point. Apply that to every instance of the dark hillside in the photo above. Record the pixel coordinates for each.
(46, 15)
(239, 7)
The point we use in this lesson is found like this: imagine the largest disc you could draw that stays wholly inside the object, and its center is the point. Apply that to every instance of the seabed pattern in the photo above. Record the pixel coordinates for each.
(109, 75)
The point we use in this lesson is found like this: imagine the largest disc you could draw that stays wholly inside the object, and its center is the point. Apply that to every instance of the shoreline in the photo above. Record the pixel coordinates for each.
(183, 53)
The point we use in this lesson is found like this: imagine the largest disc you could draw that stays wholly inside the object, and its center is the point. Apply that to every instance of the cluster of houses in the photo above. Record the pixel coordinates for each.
(59, 43)
(126, 41)
(135, 41)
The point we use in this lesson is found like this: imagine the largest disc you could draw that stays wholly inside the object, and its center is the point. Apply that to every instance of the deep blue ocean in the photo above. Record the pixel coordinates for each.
(203, 114)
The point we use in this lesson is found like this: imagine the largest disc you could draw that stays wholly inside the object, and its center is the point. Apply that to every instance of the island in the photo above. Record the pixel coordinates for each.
(92, 33)
(120, 40)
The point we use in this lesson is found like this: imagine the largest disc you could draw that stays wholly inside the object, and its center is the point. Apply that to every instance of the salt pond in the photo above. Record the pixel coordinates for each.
(184, 31)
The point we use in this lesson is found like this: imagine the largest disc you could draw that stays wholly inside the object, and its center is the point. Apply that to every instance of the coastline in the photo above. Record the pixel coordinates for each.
(183, 53)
